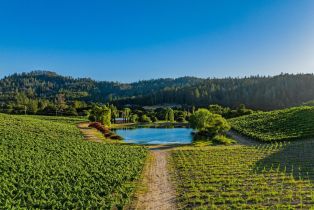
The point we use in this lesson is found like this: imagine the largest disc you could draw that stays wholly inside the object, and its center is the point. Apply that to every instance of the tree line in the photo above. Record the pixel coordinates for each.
(108, 113)
(34, 91)
(259, 93)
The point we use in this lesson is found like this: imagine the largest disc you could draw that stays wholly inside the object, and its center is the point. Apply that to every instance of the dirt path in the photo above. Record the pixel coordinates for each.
(90, 134)
(242, 139)
(159, 193)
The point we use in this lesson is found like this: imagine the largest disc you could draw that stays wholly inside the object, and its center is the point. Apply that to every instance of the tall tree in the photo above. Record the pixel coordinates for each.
(60, 103)
(169, 115)
(22, 100)
(126, 114)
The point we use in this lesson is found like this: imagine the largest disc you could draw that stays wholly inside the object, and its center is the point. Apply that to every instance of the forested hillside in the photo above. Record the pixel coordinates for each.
(45, 84)
(256, 92)
(264, 93)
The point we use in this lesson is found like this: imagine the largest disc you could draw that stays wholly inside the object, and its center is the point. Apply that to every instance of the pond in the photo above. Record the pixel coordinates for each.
(156, 135)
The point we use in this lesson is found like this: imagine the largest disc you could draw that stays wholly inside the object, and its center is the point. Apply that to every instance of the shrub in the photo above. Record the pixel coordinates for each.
(134, 118)
(116, 137)
(180, 119)
(94, 124)
(206, 122)
(107, 135)
(144, 118)
(105, 131)
(92, 118)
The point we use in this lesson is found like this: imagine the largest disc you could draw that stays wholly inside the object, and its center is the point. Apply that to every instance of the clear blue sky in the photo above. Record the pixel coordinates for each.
(133, 40)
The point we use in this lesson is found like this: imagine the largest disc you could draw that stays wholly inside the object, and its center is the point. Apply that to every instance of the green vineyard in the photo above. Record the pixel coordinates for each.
(47, 165)
(287, 124)
(240, 177)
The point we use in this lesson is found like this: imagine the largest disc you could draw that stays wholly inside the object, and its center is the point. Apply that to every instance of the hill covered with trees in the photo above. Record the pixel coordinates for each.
(39, 88)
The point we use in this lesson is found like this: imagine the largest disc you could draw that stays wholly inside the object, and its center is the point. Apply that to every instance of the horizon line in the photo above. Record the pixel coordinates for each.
(160, 78)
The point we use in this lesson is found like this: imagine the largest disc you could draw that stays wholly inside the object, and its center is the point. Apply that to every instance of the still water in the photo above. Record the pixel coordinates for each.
(156, 135)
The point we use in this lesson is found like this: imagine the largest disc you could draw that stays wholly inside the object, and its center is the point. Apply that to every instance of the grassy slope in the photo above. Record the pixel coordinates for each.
(287, 124)
(45, 164)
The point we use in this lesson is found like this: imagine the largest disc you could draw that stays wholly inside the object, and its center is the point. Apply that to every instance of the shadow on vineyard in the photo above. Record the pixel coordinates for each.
(294, 158)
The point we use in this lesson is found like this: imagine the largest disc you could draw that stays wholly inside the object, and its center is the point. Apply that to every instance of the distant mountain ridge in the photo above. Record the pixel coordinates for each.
(259, 92)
